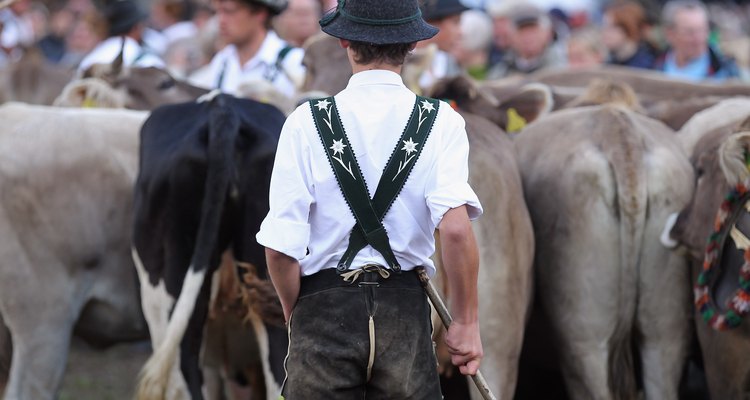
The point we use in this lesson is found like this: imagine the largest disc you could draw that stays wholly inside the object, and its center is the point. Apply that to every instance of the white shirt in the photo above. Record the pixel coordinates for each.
(133, 55)
(16, 30)
(309, 218)
(225, 68)
(160, 41)
(180, 30)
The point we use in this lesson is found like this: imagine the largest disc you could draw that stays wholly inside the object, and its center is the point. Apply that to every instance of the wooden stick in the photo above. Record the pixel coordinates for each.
(445, 316)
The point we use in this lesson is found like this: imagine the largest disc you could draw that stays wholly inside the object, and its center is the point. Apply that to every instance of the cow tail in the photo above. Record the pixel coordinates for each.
(223, 128)
(6, 353)
(626, 151)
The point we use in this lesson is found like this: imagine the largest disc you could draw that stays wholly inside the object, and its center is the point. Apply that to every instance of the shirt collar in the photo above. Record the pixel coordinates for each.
(375, 77)
(267, 53)
(697, 65)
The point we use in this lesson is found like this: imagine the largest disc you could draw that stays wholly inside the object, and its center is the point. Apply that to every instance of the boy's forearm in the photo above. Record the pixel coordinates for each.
(461, 261)
(285, 275)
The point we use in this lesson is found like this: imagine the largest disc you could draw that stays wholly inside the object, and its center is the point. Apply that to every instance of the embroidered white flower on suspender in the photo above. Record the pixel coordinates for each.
(409, 145)
(338, 145)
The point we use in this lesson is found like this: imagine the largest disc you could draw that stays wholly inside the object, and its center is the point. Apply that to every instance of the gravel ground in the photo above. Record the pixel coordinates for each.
(110, 374)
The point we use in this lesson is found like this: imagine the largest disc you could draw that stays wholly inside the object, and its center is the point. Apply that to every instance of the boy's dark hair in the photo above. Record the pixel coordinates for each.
(393, 54)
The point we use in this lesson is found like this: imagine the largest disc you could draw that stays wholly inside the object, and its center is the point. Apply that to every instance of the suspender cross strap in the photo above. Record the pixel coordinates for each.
(367, 212)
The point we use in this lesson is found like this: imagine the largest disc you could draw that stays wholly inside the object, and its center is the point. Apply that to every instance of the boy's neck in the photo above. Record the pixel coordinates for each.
(369, 67)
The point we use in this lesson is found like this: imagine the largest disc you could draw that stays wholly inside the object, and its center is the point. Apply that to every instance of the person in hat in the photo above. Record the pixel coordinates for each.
(253, 50)
(125, 22)
(360, 183)
(532, 45)
(446, 16)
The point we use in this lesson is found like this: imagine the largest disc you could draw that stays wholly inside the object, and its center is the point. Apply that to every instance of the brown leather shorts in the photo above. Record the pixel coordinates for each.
(370, 339)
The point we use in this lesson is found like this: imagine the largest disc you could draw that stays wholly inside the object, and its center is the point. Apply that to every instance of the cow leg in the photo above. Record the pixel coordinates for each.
(580, 278)
(663, 317)
(243, 364)
(192, 342)
(6, 352)
(725, 360)
(156, 304)
(214, 347)
(504, 287)
(39, 355)
(273, 386)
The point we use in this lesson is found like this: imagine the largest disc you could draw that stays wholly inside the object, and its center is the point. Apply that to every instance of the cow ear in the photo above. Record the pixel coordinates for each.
(416, 63)
(118, 61)
(530, 103)
(734, 155)
(465, 93)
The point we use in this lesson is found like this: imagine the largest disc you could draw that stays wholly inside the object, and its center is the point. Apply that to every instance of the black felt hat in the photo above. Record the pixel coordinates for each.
(433, 10)
(123, 15)
(378, 22)
(275, 6)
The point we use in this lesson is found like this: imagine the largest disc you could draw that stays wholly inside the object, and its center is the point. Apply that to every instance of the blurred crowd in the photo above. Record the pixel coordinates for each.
(220, 43)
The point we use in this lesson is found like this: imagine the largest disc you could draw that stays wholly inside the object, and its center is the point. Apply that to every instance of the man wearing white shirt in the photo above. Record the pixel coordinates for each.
(125, 22)
(253, 50)
(359, 321)
(446, 16)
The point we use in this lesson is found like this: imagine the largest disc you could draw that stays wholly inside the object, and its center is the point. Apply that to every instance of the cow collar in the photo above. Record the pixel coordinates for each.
(739, 304)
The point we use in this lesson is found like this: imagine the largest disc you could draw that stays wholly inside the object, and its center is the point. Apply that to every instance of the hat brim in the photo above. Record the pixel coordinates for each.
(124, 25)
(526, 21)
(410, 32)
(445, 12)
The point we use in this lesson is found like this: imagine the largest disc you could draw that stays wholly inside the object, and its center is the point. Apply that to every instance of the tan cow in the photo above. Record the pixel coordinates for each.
(65, 214)
(599, 182)
(504, 235)
(719, 158)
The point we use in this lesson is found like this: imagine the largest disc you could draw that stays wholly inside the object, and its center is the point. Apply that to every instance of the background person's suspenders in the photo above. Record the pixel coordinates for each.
(270, 74)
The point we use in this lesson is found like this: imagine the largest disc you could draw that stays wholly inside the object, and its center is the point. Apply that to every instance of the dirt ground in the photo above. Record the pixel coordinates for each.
(109, 374)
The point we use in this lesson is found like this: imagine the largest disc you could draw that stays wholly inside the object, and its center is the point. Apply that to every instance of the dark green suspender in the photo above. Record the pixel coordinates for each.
(369, 213)
(269, 75)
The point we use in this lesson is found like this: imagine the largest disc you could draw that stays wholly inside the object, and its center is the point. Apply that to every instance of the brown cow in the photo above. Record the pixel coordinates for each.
(719, 159)
(504, 234)
(667, 99)
(113, 85)
(32, 80)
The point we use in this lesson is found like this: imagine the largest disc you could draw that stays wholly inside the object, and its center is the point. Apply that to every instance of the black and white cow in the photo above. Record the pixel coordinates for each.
(201, 191)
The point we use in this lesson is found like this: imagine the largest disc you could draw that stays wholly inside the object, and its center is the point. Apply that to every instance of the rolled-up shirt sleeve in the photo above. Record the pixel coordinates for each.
(286, 228)
(448, 186)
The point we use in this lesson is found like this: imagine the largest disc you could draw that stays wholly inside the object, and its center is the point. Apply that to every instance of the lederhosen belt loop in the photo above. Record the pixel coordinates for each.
(367, 212)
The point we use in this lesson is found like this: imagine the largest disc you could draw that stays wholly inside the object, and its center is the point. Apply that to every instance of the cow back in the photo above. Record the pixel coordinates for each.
(172, 178)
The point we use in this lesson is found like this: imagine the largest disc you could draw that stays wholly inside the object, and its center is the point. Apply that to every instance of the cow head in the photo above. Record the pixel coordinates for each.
(326, 63)
(145, 88)
(719, 162)
(509, 105)
(138, 88)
